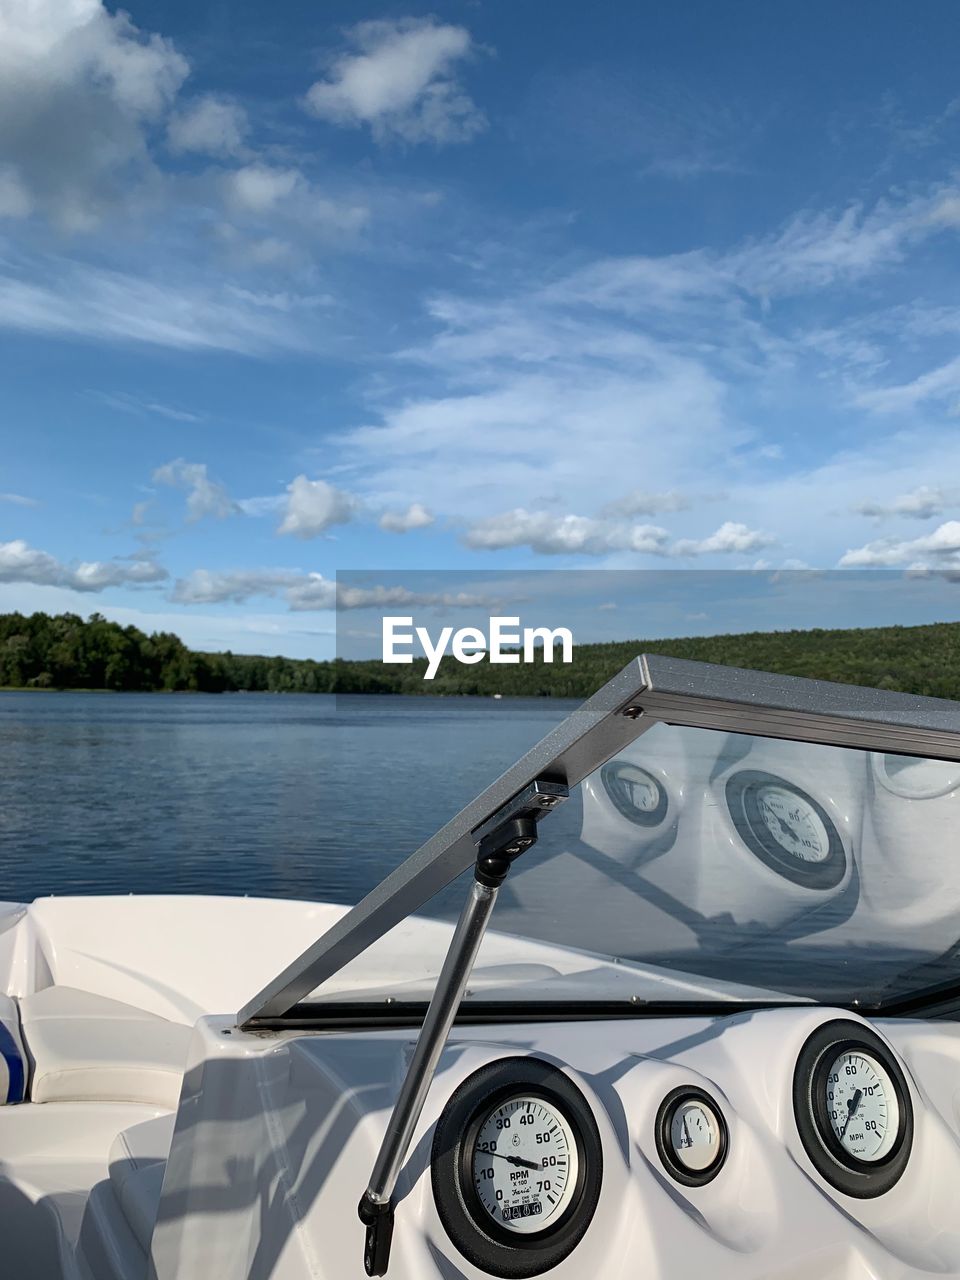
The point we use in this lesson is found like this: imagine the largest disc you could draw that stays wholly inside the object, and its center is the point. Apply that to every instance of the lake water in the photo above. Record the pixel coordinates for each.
(291, 796)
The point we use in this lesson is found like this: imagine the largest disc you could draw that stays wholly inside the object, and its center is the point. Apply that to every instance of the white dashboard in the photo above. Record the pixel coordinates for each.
(771, 1205)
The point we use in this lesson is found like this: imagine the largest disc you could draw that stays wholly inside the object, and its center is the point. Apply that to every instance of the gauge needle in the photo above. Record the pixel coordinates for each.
(786, 828)
(851, 1108)
(526, 1164)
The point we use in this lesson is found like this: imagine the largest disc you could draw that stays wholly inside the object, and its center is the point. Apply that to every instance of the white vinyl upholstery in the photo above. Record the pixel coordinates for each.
(121, 1211)
(12, 1058)
(84, 1047)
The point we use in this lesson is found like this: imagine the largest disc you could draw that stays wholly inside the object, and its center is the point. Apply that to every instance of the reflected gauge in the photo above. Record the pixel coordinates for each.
(786, 828)
(636, 794)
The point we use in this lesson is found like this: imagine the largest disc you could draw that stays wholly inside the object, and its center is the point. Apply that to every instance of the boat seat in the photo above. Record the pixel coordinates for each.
(83, 1047)
(121, 1211)
(12, 1059)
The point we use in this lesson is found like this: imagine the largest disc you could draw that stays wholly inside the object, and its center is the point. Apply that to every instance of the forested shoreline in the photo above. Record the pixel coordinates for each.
(40, 651)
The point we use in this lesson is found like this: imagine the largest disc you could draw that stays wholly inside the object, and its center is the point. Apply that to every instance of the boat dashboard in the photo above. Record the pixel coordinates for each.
(785, 1142)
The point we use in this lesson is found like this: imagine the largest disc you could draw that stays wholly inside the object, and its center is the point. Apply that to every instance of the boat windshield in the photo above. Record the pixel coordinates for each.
(821, 872)
(731, 838)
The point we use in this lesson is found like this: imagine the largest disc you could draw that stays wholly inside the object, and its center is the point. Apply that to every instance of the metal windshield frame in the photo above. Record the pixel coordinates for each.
(651, 689)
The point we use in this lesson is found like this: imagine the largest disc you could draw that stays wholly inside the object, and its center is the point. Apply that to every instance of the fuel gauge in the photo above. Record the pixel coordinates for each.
(691, 1136)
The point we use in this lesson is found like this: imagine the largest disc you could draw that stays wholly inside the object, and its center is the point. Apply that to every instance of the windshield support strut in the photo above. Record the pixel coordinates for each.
(496, 853)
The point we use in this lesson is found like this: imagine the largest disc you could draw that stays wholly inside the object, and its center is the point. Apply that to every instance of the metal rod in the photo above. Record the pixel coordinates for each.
(433, 1035)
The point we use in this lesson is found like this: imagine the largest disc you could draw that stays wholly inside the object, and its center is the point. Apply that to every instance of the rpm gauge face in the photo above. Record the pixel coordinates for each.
(516, 1167)
(786, 829)
(862, 1105)
(525, 1162)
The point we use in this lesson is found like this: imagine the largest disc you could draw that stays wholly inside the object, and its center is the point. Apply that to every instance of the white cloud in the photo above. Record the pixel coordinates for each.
(416, 516)
(400, 81)
(205, 497)
(731, 537)
(942, 383)
(552, 535)
(81, 301)
(210, 125)
(79, 88)
(315, 506)
(259, 188)
(938, 549)
(307, 592)
(642, 503)
(922, 503)
(20, 562)
(19, 500)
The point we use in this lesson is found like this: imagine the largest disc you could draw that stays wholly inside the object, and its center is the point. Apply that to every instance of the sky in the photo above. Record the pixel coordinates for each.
(468, 288)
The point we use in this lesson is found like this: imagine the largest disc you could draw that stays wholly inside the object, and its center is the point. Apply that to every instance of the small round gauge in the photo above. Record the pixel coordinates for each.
(914, 778)
(691, 1136)
(786, 828)
(636, 794)
(853, 1109)
(516, 1167)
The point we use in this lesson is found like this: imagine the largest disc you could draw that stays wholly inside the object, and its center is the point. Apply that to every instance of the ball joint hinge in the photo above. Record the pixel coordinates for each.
(498, 851)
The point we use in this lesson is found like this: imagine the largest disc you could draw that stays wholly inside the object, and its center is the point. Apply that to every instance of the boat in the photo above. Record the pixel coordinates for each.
(693, 1011)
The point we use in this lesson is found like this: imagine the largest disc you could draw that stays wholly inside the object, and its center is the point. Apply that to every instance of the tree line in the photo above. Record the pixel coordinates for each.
(40, 651)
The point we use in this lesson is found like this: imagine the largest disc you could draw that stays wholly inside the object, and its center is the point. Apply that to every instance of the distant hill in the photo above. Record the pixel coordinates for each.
(38, 651)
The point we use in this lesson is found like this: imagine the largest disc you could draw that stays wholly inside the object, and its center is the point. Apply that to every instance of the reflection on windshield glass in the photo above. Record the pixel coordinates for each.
(816, 871)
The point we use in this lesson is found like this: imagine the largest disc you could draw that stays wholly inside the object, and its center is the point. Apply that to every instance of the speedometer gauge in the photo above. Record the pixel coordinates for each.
(853, 1110)
(786, 828)
(516, 1167)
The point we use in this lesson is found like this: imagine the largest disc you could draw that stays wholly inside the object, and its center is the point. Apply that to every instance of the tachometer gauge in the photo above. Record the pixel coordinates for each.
(787, 829)
(691, 1136)
(853, 1109)
(524, 1163)
(636, 794)
(516, 1167)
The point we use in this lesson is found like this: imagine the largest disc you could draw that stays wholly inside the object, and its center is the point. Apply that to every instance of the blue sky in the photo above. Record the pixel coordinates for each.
(293, 289)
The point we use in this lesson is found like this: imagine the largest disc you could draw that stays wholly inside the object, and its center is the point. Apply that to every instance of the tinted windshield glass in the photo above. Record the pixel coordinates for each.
(820, 871)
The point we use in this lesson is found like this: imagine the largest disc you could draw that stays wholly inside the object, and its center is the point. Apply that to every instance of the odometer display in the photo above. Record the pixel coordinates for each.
(525, 1163)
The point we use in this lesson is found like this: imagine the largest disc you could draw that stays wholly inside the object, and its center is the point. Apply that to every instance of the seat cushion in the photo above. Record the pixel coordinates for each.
(84, 1047)
(13, 1075)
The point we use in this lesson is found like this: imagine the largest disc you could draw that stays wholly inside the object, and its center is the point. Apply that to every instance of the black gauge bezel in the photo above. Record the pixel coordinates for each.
(665, 1149)
(860, 1178)
(741, 795)
(639, 817)
(469, 1226)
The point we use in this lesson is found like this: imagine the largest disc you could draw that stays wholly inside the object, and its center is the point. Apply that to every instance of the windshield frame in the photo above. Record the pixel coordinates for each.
(651, 689)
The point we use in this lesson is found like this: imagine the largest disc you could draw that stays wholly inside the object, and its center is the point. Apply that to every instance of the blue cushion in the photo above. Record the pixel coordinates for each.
(13, 1075)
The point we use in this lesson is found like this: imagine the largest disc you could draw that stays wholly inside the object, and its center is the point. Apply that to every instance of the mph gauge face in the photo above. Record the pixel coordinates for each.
(524, 1164)
(786, 829)
(793, 823)
(862, 1105)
